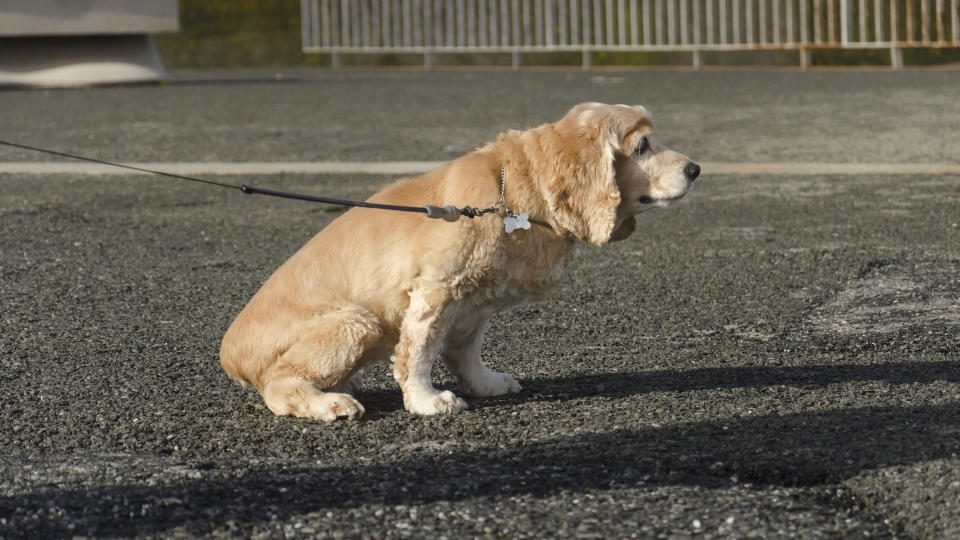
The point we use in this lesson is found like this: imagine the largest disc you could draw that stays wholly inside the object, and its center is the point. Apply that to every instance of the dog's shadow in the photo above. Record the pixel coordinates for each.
(381, 402)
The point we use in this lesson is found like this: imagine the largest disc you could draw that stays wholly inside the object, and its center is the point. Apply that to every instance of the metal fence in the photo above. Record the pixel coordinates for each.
(429, 27)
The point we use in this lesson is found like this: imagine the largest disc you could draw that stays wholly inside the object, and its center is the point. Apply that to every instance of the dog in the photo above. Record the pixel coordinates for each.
(376, 285)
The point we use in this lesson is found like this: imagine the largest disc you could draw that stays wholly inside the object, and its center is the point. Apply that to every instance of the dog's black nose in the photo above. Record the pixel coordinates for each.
(692, 170)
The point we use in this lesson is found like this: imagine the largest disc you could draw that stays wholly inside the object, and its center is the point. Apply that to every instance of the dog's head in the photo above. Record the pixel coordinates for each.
(611, 168)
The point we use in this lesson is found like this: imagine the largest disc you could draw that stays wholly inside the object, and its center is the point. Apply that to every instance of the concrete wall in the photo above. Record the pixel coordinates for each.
(57, 43)
(87, 17)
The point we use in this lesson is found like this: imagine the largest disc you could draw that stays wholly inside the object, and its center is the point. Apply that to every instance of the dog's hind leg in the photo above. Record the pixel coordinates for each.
(461, 354)
(324, 357)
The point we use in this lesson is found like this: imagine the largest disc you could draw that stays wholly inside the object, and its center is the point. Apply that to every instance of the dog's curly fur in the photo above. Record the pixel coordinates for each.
(376, 285)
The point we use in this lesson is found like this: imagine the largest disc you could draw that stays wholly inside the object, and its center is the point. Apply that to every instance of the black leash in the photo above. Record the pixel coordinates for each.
(448, 213)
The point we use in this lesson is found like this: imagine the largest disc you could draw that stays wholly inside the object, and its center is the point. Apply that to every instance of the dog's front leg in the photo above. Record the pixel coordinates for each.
(462, 356)
(424, 326)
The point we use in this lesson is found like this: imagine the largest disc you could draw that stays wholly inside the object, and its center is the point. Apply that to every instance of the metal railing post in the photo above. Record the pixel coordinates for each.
(955, 21)
(586, 59)
(896, 55)
(846, 22)
(697, 60)
(896, 58)
(305, 18)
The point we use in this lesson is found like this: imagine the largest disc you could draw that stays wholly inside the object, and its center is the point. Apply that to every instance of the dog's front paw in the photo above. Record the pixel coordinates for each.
(493, 383)
(429, 404)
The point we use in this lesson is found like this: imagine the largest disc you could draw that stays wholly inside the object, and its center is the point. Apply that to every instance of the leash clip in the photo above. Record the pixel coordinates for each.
(446, 213)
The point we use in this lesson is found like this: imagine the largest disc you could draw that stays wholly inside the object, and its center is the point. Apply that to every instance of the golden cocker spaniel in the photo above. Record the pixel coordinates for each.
(377, 285)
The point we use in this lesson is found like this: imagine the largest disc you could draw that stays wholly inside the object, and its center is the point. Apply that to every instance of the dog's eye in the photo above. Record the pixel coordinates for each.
(643, 146)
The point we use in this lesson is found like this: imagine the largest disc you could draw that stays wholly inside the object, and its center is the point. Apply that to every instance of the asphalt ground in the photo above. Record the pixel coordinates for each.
(775, 356)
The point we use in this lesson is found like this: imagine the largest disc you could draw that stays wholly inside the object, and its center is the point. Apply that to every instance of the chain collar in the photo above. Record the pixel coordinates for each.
(502, 205)
(511, 220)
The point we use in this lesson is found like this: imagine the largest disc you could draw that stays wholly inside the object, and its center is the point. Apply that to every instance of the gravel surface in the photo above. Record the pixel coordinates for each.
(773, 357)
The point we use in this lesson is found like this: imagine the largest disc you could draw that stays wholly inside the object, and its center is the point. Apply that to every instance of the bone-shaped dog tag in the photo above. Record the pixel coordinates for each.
(513, 222)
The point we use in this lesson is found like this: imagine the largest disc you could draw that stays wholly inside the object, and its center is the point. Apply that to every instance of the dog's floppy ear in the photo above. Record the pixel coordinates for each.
(583, 196)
